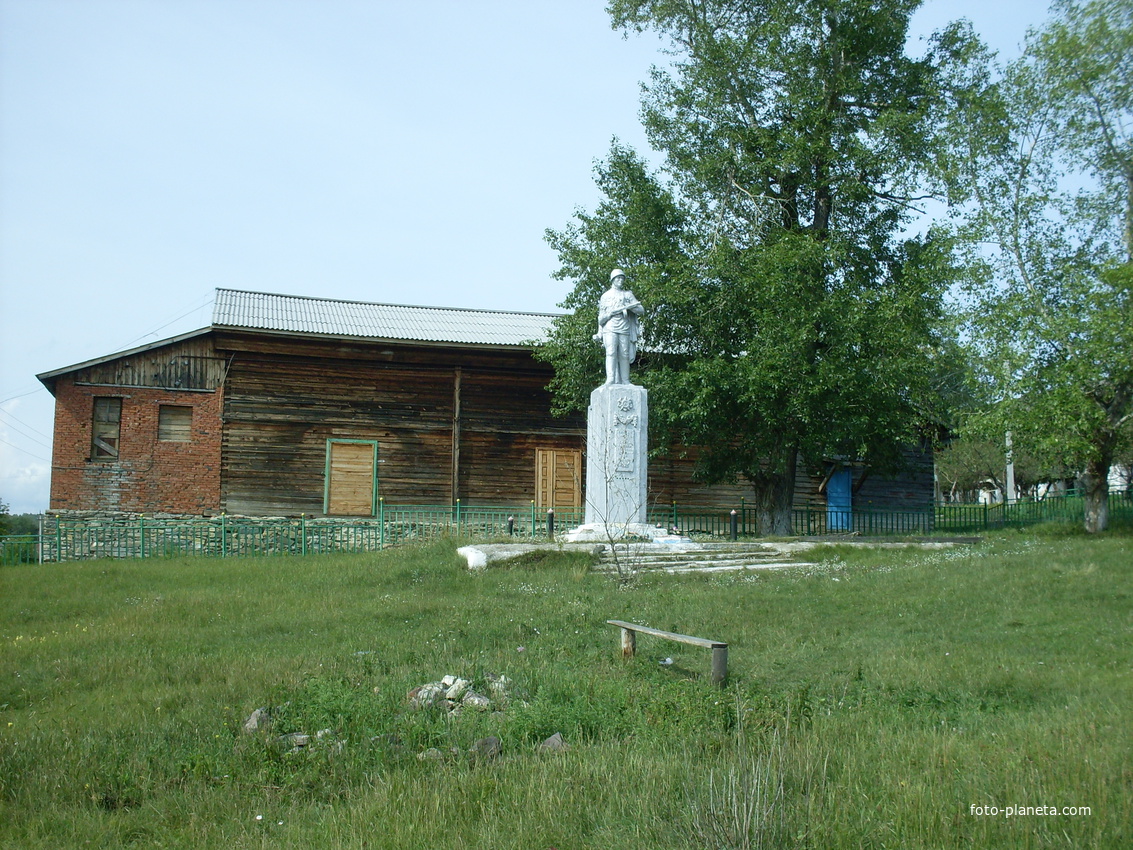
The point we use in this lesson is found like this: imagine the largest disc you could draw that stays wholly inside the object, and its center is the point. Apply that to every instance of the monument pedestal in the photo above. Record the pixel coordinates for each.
(617, 429)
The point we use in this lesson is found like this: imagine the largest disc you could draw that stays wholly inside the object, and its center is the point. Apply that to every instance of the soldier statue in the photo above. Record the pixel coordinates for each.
(619, 327)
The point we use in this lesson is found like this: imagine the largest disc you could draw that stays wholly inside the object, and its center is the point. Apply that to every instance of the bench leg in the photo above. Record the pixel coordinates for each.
(719, 665)
(629, 643)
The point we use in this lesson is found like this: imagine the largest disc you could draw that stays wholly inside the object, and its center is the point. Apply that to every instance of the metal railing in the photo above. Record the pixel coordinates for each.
(65, 538)
(1018, 514)
(19, 549)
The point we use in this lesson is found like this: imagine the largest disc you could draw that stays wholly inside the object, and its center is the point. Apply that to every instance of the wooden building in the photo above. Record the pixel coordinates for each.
(288, 405)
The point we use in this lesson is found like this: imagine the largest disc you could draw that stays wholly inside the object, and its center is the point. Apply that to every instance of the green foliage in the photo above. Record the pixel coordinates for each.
(21, 523)
(1048, 164)
(17, 549)
(787, 314)
(968, 464)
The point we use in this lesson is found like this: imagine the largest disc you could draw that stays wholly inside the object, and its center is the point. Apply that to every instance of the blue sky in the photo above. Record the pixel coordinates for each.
(410, 153)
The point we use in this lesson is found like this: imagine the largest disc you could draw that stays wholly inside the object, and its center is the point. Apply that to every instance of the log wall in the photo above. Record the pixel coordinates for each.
(449, 423)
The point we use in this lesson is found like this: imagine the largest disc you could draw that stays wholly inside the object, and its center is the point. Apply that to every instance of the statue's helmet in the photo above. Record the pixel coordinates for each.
(617, 273)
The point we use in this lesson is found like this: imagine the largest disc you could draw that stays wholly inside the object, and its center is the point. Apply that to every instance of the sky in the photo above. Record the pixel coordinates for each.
(152, 151)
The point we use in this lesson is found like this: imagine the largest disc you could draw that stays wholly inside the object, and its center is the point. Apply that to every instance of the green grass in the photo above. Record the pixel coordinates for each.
(872, 702)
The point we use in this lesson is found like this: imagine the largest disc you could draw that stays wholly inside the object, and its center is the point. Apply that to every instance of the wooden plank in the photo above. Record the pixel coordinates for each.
(568, 479)
(351, 485)
(175, 423)
(185, 365)
(695, 641)
(378, 353)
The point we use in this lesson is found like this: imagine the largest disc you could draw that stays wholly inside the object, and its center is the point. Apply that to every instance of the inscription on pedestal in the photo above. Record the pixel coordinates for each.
(625, 437)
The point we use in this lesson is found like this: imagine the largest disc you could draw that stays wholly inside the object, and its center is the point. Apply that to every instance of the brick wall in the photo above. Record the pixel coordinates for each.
(149, 475)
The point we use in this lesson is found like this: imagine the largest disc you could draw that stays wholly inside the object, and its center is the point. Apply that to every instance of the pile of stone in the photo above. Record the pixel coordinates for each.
(259, 722)
(450, 694)
(454, 695)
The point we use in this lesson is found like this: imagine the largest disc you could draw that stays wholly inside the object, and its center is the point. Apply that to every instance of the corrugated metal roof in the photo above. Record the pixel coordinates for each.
(332, 317)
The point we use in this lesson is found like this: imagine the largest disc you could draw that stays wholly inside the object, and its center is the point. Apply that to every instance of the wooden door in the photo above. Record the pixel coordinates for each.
(840, 501)
(352, 480)
(558, 478)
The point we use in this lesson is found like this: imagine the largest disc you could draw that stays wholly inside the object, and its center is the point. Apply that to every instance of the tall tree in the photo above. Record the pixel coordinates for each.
(1049, 165)
(790, 319)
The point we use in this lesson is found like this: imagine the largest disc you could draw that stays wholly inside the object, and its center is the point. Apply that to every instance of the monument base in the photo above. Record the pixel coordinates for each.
(617, 428)
(619, 532)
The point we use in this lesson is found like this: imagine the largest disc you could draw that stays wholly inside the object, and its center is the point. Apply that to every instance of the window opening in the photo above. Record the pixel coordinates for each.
(106, 428)
(175, 423)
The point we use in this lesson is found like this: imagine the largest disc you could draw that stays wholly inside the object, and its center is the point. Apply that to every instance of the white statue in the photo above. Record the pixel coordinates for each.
(618, 327)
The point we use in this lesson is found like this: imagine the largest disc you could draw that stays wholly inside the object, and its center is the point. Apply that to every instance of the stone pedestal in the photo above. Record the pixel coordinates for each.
(617, 428)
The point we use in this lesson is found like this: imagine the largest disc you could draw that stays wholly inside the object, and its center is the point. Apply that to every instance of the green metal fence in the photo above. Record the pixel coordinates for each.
(64, 539)
(19, 549)
(806, 520)
(1068, 508)
(818, 520)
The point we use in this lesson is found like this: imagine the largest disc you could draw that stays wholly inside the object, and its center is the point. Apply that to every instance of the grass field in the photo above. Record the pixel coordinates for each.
(883, 699)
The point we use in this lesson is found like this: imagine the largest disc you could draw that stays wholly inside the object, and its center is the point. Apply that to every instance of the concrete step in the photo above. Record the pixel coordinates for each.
(712, 557)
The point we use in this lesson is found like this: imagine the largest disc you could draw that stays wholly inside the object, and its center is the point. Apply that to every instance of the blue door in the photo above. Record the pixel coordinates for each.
(839, 501)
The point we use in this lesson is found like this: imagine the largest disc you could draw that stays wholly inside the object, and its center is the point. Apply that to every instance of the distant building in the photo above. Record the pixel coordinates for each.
(291, 405)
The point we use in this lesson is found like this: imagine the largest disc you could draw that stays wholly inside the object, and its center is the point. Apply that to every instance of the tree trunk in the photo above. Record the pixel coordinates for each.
(774, 497)
(1095, 492)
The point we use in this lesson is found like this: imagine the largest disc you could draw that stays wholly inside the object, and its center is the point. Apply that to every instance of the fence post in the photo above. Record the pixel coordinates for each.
(511, 526)
(532, 519)
(142, 533)
(224, 535)
(381, 523)
(303, 533)
(735, 525)
(675, 525)
(458, 517)
(58, 540)
(550, 523)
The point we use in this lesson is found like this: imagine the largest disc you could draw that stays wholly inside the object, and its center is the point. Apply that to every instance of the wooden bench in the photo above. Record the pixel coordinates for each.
(718, 647)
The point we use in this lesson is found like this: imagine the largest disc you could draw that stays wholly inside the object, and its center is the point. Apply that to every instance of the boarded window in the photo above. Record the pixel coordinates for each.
(174, 423)
(558, 478)
(352, 482)
(106, 428)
